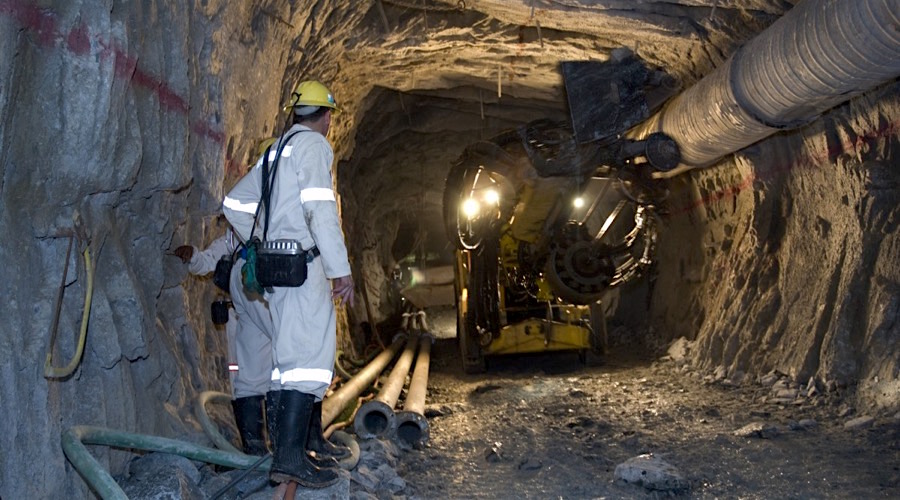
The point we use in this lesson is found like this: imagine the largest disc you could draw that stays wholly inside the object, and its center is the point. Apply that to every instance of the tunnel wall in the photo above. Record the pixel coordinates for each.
(786, 256)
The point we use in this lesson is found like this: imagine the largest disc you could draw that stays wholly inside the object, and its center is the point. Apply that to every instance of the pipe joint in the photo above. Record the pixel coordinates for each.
(375, 419)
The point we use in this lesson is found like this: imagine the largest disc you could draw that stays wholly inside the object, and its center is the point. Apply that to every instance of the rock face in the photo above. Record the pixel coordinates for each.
(794, 267)
(122, 123)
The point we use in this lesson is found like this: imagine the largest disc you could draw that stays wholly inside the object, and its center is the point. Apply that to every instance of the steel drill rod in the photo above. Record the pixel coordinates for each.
(333, 405)
(376, 418)
(418, 385)
(412, 426)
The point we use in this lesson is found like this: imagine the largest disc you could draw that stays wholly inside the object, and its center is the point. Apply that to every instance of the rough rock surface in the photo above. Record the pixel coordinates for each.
(124, 122)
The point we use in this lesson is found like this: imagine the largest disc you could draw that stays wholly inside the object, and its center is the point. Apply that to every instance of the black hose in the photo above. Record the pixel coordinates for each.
(221, 491)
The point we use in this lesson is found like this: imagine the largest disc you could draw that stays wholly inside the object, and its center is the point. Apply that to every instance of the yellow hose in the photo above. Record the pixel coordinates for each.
(210, 428)
(49, 370)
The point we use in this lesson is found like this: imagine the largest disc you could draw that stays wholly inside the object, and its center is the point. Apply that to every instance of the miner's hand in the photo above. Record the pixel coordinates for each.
(184, 252)
(342, 289)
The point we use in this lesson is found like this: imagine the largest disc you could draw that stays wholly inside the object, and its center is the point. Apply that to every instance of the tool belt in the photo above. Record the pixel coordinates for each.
(283, 263)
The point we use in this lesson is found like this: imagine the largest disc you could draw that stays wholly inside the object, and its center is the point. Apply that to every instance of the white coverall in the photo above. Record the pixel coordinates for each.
(249, 324)
(303, 208)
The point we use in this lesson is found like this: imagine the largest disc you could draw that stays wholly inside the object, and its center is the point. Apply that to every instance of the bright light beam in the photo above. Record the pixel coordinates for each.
(470, 208)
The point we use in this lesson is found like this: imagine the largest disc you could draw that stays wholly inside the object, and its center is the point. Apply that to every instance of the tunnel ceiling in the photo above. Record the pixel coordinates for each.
(421, 79)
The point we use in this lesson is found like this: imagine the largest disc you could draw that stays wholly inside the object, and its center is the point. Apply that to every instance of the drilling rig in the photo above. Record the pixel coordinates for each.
(549, 218)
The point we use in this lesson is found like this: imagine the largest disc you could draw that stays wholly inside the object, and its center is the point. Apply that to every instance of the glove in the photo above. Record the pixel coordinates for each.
(184, 252)
(248, 270)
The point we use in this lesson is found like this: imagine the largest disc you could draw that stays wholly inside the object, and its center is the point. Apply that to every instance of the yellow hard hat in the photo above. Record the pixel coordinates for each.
(312, 93)
(264, 145)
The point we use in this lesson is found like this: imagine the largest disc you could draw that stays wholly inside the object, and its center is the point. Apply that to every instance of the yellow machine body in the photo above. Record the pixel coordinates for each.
(539, 335)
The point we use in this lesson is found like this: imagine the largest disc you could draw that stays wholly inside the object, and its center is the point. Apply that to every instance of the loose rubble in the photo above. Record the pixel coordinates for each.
(653, 473)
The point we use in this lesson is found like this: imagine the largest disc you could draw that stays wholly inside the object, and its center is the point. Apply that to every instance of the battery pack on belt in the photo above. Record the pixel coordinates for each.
(283, 263)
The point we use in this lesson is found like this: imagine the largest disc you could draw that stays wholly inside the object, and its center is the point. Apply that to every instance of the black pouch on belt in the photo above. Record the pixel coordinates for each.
(222, 274)
(219, 311)
(282, 263)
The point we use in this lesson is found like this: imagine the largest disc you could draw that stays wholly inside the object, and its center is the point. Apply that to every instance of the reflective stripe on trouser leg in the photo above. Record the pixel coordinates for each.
(305, 333)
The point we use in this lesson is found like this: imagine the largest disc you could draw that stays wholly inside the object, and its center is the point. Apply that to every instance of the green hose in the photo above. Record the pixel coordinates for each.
(74, 439)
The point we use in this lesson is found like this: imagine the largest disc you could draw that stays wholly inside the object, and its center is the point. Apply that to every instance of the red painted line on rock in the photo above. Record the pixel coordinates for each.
(43, 24)
(78, 40)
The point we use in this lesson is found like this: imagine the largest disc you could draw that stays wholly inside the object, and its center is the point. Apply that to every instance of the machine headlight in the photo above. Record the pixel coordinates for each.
(492, 197)
(578, 202)
(470, 208)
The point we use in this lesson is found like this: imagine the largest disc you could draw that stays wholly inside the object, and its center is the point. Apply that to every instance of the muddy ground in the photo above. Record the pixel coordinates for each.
(547, 426)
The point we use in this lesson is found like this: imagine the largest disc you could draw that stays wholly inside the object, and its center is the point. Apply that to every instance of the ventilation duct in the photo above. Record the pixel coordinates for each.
(818, 55)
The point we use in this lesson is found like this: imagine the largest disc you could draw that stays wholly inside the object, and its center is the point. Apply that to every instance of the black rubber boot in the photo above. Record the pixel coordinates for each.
(272, 399)
(291, 463)
(318, 443)
(248, 414)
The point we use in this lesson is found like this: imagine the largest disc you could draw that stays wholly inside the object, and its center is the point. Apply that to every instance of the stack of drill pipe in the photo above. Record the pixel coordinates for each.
(333, 405)
(412, 426)
(376, 418)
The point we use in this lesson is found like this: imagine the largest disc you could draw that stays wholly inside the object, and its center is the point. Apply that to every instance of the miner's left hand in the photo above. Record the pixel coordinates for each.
(342, 289)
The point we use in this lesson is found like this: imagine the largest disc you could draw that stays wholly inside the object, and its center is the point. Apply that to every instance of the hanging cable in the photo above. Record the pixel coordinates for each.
(49, 370)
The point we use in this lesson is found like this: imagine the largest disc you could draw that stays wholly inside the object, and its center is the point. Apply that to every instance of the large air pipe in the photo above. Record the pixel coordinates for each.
(818, 55)
(412, 426)
(376, 418)
(333, 405)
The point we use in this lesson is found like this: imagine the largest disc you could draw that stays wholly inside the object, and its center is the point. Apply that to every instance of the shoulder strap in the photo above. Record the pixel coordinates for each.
(268, 180)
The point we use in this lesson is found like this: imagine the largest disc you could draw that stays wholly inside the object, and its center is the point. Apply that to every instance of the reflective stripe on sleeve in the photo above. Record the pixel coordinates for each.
(316, 194)
(234, 204)
(233, 368)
